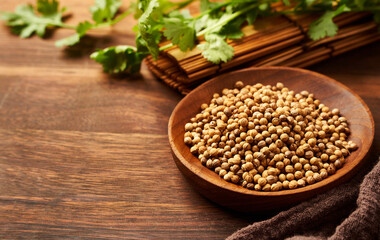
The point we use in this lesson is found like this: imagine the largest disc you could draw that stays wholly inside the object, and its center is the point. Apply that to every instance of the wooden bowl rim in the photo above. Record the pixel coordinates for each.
(241, 190)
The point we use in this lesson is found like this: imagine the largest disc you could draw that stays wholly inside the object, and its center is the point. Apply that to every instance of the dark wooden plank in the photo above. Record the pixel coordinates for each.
(100, 185)
(85, 102)
(86, 155)
(49, 88)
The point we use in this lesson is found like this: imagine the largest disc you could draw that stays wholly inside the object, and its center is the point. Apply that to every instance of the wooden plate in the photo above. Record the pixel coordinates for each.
(328, 91)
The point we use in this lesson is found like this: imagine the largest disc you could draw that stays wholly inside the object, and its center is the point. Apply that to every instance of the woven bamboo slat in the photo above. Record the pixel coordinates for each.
(279, 40)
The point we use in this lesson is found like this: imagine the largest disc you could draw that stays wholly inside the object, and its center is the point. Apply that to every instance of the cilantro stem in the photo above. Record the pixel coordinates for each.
(316, 10)
(219, 24)
(63, 25)
(211, 10)
(101, 25)
(184, 4)
(233, 16)
(166, 47)
(113, 22)
(121, 17)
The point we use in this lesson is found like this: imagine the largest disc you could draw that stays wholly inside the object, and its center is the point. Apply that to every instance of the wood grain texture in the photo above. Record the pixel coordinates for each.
(328, 91)
(85, 155)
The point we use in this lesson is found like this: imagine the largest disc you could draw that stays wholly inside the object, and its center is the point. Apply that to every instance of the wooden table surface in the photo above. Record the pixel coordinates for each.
(86, 155)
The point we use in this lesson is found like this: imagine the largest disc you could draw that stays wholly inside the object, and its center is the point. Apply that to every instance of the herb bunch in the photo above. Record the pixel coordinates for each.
(28, 19)
(216, 22)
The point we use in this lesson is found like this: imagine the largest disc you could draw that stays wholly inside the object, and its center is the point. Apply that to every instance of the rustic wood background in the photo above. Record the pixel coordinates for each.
(86, 155)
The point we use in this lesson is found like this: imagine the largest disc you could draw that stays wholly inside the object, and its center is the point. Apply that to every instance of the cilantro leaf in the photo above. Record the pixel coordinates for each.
(360, 3)
(142, 5)
(163, 7)
(203, 22)
(47, 8)
(252, 15)
(207, 5)
(324, 26)
(119, 59)
(104, 10)
(232, 29)
(168, 6)
(286, 2)
(180, 33)
(183, 14)
(83, 27)
(102, 14)
(216, 49)
(149, 28)
(81, 30)
(220, 22)
(26, 20)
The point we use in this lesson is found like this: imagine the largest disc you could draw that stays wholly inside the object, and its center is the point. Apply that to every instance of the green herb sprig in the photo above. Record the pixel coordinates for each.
(27, 19)
(217, 22)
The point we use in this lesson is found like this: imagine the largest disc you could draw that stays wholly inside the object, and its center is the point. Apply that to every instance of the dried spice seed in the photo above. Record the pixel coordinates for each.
(268, 138)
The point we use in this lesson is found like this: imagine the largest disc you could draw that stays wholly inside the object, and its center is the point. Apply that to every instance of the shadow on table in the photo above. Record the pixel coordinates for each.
(249, 217)
(87, 45)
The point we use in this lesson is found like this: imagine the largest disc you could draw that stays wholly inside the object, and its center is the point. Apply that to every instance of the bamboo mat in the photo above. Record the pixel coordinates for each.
(271, 41)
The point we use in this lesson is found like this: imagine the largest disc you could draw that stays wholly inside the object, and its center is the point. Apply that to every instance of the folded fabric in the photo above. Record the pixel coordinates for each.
(349, 211)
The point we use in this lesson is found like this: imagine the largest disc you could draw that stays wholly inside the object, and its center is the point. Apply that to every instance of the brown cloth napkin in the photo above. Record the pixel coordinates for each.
(350, 211)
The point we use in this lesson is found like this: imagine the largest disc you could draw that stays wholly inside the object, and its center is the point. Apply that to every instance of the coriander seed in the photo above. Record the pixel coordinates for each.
(268, 138)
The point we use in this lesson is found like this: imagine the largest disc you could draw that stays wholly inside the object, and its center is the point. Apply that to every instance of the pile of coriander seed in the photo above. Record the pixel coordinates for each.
(269, 138)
